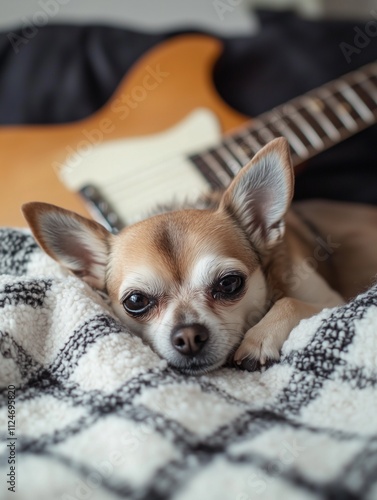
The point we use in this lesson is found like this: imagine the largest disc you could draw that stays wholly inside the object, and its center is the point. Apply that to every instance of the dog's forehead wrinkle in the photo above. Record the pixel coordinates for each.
(167, 239)
(162, 241)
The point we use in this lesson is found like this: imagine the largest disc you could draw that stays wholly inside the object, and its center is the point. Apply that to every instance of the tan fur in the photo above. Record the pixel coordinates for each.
(294, 262)
(166, 241)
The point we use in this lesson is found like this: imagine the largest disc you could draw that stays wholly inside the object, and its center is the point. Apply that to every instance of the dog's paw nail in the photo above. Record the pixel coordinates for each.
(238, 357)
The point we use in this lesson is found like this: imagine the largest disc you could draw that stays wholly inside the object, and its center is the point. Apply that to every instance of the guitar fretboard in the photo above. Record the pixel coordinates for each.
(311, 123)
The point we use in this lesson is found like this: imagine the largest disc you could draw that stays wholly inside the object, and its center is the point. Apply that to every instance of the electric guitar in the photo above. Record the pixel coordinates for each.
(167, 134)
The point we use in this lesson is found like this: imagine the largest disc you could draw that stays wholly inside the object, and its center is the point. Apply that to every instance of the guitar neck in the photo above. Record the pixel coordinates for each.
(311, 123)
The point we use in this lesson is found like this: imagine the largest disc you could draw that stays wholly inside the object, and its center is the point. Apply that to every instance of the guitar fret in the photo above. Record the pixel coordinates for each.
(222, 174)
(334, 118)
(310, 123)
(373, 79)
(369, 88)
(237, 150)
(248, 137)
(352, 97)
(223, 164)
(309, 118)
(211, 170)
(233, 165)
(312, 136)
(347, 105)
(315, 108)
(245, 147)
(362, 85)
(293, 139)
(365, 97)
(338, 109)
(264, 131)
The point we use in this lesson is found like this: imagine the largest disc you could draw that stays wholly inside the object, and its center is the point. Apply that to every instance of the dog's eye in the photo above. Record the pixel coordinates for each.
(137, 303)
(228, 286)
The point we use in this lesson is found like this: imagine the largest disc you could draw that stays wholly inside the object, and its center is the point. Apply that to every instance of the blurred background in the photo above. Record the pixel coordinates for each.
(62, 60)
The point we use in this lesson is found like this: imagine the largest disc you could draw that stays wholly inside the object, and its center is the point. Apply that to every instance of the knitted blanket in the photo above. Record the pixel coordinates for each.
(87, 411)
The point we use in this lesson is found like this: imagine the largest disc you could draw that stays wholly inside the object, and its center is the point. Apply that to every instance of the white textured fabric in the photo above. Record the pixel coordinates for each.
(100, 416)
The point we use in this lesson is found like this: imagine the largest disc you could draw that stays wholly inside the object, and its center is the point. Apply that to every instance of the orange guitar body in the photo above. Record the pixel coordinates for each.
(162, 88)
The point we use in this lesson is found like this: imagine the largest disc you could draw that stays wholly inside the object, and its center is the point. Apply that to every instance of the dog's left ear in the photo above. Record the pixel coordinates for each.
(260, 195)
(79, 244)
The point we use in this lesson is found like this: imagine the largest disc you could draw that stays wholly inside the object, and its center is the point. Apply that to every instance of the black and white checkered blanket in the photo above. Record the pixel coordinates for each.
(99, 416)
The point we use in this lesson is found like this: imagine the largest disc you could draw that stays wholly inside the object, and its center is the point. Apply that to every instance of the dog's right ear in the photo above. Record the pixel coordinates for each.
(260, 195)
(77, 243)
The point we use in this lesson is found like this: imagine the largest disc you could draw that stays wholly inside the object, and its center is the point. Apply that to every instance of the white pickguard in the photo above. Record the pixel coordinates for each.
(134, 175)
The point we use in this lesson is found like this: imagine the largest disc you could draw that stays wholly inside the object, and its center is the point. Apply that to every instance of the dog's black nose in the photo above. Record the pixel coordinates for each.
(189, 339)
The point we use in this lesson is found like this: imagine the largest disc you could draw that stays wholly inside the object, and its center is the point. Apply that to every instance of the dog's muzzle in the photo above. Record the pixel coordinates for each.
(194, 350)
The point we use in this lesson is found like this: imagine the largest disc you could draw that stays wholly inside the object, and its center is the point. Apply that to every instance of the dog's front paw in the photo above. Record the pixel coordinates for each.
(257, 350)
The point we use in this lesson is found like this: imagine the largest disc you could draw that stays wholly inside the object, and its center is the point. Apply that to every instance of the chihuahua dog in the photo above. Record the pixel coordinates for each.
(226, 281)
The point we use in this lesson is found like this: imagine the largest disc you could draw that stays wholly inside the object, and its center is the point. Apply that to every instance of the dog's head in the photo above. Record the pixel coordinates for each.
(189, 282)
